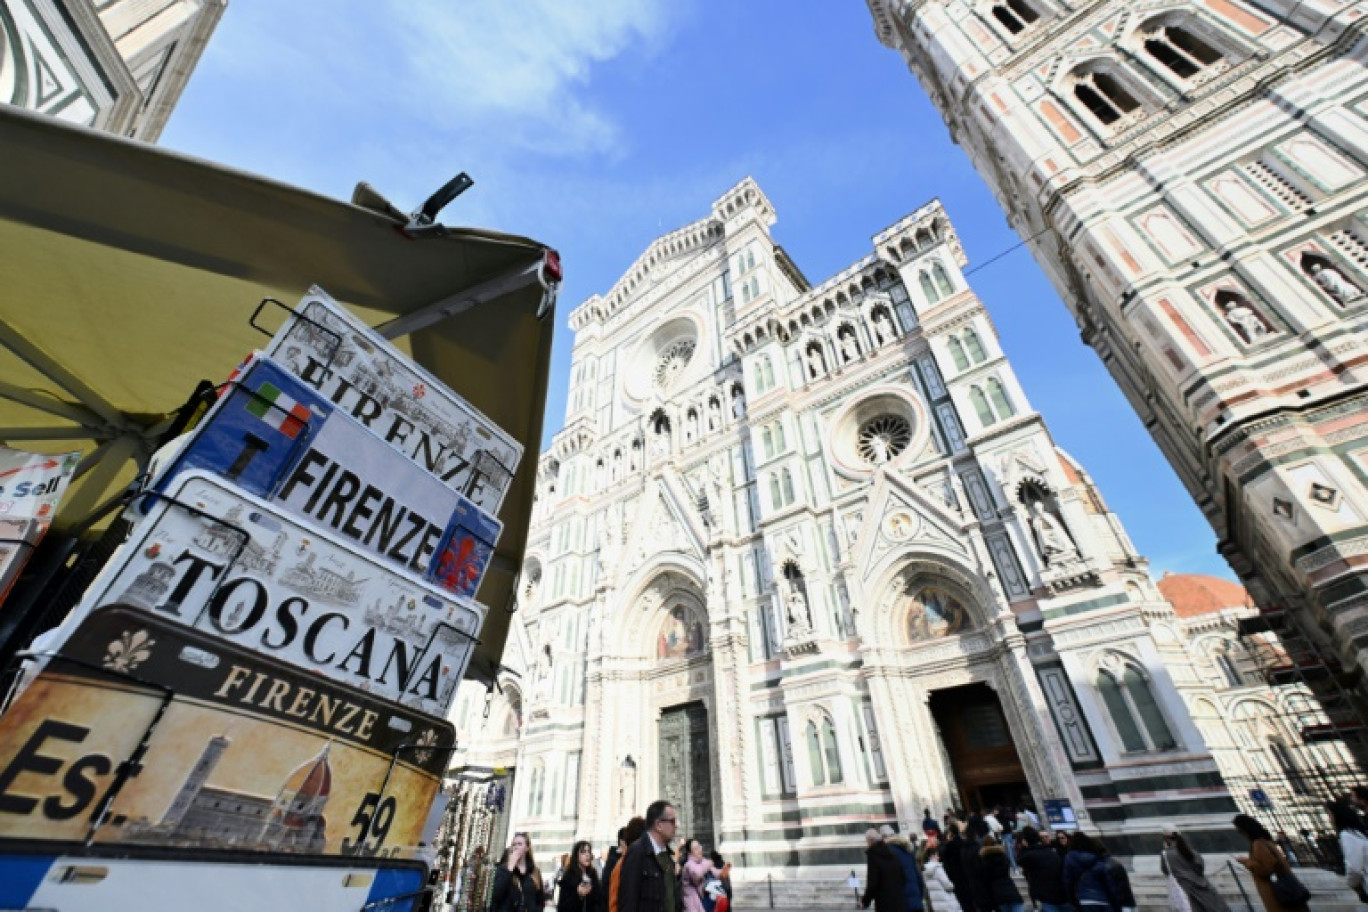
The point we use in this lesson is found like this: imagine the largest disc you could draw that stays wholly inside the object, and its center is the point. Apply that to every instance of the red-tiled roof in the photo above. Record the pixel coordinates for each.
(1194, 594)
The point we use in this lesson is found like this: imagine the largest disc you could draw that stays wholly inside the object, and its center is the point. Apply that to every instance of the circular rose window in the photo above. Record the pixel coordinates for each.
(670, 363)
(883, 437)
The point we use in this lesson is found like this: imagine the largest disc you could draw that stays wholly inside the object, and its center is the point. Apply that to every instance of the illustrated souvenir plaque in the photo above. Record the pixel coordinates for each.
(241, 752)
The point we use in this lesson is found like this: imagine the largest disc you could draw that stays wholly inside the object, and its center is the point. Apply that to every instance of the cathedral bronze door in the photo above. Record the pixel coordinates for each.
(983, 759)
(686, 770)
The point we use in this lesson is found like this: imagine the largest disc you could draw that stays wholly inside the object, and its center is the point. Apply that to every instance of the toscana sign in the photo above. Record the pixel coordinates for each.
(221, 561)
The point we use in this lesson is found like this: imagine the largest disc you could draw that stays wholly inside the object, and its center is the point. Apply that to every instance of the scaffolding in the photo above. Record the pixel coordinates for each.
(1329, 753)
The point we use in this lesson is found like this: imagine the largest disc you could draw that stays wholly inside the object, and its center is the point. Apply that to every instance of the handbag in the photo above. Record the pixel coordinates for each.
(1177, 896)
(1288, 890)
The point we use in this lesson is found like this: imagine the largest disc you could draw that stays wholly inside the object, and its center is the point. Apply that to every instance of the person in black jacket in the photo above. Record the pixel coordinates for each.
(517, 882)
(997, 871)
(1044, 870)
(580, 887)
(649, 882)
(980, 898)
(884, 877)
(954, 867)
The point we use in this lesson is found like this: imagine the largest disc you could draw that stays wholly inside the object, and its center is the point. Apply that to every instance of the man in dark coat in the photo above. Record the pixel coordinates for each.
(648, 882)
(1044, 870)
(970, 848)
(954, 867)
(885, 883)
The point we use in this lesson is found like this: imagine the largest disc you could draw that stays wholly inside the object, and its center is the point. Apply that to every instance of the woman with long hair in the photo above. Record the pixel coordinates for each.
(1265, 863)
(1183, 864)
(517, 882)
(696, 870)
(1085, 875)
(580, 887)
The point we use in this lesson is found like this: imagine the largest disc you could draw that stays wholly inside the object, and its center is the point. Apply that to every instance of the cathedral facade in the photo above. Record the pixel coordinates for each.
(1190, 174)
(805, 560)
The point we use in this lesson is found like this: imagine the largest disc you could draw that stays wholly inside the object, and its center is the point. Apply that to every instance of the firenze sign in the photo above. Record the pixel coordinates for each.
(362, 374)
(223, 562)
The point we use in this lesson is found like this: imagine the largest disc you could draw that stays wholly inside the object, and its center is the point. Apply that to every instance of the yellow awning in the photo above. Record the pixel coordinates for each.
(130, 273)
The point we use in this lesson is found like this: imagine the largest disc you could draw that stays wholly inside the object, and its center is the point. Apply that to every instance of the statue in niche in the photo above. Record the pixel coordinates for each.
(691, 426)
(714, 414)
(1333, 283)
(600, 475)
(933, 613)
(815, 362)
(883, 327)
(616, 472)
(543, 685)
(660, 441)
(627, 799)
(799, 612)
(1246, 322)
(1054, 543)
(634, 456)
(850, 350)
(738, 403)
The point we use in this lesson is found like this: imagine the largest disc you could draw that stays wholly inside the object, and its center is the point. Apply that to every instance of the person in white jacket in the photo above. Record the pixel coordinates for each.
(939, 889)
(1353, 845)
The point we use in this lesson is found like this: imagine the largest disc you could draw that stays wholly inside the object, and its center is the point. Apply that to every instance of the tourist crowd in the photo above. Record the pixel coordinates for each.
(642, 873)
(958, 863)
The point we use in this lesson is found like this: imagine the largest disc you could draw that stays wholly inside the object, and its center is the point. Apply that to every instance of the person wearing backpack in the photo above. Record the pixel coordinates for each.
(1279, 889)
(1118, 881)
(1085, 875)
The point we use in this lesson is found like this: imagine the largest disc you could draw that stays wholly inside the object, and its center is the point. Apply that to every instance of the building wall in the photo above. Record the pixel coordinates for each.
(1191, 177)
(710, 531)
(117, 65)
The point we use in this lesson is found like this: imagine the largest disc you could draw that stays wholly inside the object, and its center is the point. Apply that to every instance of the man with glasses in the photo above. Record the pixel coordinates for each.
(648, 882)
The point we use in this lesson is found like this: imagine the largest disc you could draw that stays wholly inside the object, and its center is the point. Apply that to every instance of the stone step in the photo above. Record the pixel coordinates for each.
(1328, 892)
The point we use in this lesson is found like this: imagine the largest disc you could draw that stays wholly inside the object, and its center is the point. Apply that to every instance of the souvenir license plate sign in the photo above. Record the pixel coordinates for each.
(249, 754)
(363, 374)
(256, 430)
(276, 437)
(226, 563)
(360, 488)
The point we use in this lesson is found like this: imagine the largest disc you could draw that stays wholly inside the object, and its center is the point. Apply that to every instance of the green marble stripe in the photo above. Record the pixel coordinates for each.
(1116, 789)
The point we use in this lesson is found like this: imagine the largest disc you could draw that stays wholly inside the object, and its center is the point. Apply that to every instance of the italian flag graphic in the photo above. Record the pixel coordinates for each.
(279, 410)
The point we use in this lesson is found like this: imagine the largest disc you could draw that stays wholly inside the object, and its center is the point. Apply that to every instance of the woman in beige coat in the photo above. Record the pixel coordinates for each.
(1263, 861)
(939, 890)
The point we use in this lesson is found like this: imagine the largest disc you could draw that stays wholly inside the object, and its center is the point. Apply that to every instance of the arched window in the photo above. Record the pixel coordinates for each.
(1104, 97)
(767, 442)
(974, 346)
(764, 374)
(1120, 712)
(780, 445)
(980, 401)
(942, 279)
(1136, 714)
(815, 755)
(788, 487)
(1290, 767)
(833, 756)
(1010, 22)
(928, 287)
(775, 494)
(1180, 51)
(957, 353)
(998, 395)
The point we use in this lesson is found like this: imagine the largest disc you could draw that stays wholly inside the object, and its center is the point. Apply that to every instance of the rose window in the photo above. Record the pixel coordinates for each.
(671, 362)
(882, 438)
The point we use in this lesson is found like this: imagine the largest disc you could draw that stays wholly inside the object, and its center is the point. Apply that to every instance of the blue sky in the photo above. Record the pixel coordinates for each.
(596, 126)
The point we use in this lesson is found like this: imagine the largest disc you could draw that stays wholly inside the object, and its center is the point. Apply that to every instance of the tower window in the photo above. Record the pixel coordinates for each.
(1104, 97)
(1009, 22)
(974, 346)
(957, 353)
(1180, 51)
(928, 288)
(1024, 11)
